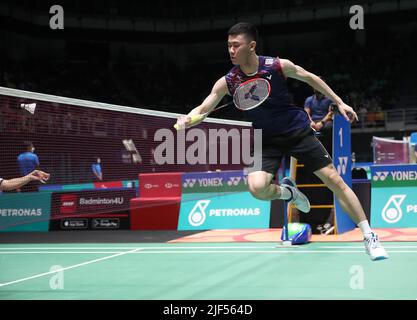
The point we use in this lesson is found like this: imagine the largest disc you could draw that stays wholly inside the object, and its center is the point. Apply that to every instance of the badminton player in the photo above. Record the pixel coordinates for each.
(285, 129)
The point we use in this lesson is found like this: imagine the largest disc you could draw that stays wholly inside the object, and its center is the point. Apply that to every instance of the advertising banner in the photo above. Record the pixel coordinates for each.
(25, 211)
(95, 209)
(160, 184)
(394, 196)
(90, 186)
(223, 181)
(343, 163)
(240, 210)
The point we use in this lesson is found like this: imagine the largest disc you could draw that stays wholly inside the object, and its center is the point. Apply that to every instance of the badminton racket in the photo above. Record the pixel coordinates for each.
(249, 95)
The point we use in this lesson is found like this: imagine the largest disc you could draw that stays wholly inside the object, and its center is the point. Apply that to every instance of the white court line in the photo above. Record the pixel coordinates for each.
(169, 247)
(60, 252)
(201, 251)
(362, 246)
(266, 251)
(70, 267)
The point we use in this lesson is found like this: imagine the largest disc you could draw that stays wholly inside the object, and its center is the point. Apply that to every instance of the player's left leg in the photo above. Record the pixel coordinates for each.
(350, 203)
(312, 153)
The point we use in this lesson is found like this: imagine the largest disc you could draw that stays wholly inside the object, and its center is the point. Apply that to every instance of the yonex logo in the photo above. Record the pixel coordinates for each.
(269, 77)
(189, 183)
(382, 175)
(197, 215)
(233, 181)
(392, 212)
(342, 166)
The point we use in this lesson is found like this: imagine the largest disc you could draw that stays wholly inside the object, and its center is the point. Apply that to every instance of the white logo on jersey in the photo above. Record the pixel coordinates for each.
(269, 77)
(269, 61)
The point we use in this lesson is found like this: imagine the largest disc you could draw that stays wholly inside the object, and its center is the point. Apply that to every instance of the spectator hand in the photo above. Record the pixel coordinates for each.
(313, 125)
(38, 175)
(319, 125)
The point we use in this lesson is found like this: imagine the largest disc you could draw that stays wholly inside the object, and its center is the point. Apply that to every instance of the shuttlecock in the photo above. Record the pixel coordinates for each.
(29, 107)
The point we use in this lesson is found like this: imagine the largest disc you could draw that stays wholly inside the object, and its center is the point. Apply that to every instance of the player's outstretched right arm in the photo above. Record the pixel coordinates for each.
(294, 71)
(199, 113)
(12, 184)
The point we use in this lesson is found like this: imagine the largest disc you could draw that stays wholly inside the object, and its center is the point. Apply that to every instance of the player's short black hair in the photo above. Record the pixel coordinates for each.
(246, 28)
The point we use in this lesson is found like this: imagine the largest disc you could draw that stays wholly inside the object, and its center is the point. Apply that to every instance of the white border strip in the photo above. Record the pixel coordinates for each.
(106, 106)
(197, 252)
(143, 248)
(389, 140)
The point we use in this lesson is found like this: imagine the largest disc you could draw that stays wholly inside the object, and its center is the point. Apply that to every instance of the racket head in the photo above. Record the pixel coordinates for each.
(251, 93)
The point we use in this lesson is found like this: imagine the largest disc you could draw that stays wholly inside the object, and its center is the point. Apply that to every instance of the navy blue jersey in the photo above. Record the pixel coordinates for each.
(318, 108)
(278, 114)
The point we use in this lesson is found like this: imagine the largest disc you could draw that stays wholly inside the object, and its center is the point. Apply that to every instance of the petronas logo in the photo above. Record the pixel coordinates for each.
(197, 215)
(392, 211)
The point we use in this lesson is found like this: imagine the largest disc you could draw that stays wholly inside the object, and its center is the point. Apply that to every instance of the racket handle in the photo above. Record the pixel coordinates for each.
(194, 120)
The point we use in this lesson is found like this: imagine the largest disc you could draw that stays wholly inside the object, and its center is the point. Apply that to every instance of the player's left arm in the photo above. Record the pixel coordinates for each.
(291, 70)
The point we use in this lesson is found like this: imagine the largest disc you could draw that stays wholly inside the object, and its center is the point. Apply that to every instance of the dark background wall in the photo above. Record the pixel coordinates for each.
(166, 55)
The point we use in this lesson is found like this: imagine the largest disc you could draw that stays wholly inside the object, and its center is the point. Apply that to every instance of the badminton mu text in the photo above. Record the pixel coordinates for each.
(213, 310)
